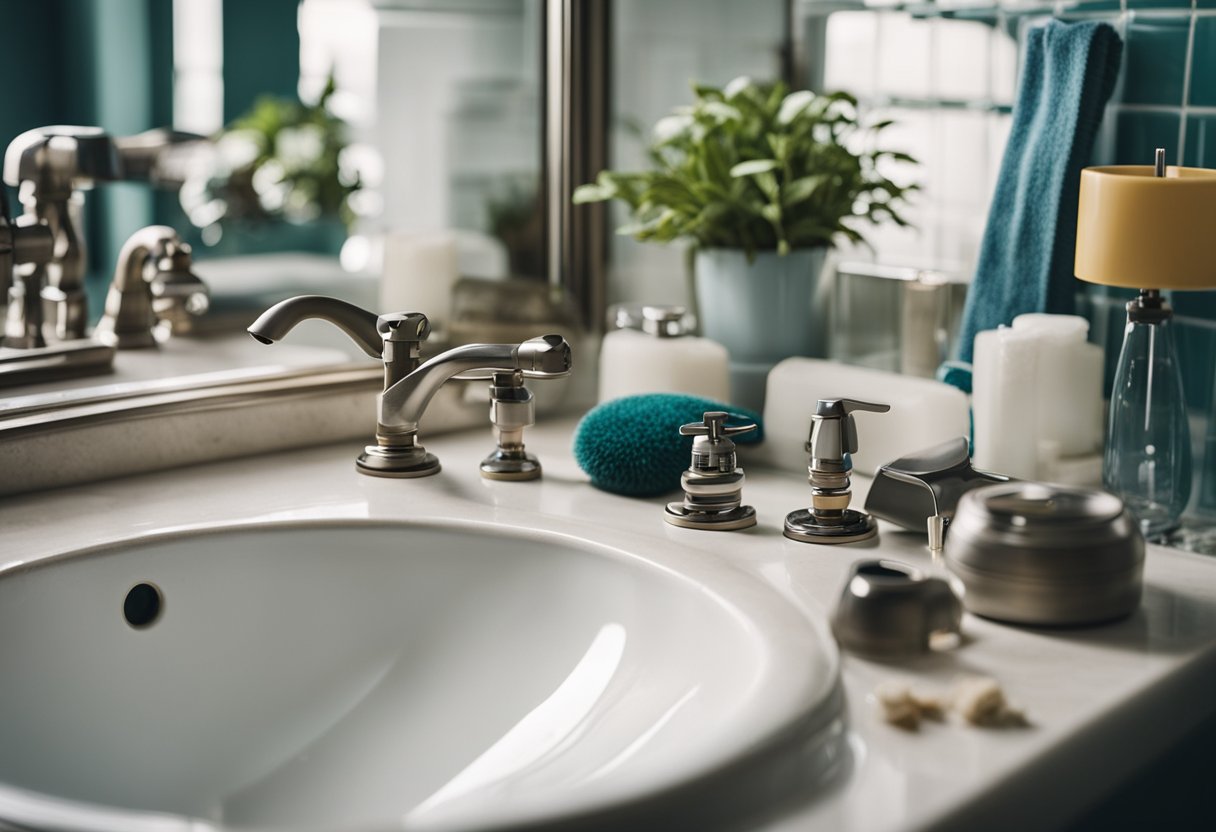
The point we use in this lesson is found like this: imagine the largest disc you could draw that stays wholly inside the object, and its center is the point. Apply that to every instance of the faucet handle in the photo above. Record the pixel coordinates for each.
(403, 326)
(545, 357)
(713, 424)
(833, 430)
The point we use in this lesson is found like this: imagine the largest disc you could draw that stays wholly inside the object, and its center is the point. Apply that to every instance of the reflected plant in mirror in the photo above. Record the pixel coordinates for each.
(763, 181)
(284, 160)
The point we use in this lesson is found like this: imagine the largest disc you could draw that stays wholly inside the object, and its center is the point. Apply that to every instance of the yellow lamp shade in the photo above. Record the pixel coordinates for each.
(1142, 231)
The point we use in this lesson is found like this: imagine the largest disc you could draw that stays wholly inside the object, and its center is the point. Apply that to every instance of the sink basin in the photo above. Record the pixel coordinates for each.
(369, 676)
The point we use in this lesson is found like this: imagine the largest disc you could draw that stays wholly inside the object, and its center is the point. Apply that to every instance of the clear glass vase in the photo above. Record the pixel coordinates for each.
(1148, 446)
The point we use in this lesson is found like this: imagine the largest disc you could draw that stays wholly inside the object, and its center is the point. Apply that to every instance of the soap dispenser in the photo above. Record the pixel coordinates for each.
(652, 351)
(832, 441)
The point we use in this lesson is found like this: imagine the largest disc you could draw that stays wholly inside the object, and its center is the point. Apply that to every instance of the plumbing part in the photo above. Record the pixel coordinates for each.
(512, 408)
(647, 459)
(1040, 554)
(51, 167)
(154, 289)
(26, 246)
(920, 491)
(409, 385)
(832, 441)
(888, 609)
(651, 350)
(713, 484)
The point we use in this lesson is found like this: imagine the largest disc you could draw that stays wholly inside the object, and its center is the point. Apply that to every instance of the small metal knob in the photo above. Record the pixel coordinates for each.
(713, 485)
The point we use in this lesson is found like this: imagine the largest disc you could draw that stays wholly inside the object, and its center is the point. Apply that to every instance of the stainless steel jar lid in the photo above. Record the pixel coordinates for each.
(1045, 554)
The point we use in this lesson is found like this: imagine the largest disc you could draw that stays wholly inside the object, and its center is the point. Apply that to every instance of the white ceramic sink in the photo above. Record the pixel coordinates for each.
(377, 676)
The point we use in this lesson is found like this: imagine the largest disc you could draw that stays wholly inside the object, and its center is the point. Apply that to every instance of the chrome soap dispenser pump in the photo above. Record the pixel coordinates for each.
(833, 439)
(713, 484)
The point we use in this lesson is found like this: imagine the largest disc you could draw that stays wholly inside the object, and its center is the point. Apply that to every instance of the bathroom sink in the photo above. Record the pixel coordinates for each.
(375, 676)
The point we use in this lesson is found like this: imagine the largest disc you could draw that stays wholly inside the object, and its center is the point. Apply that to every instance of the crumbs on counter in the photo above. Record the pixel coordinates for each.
(978, 700)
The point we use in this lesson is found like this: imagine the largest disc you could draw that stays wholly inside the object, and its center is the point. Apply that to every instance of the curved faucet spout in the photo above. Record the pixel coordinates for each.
(358, 323)
(402, 404)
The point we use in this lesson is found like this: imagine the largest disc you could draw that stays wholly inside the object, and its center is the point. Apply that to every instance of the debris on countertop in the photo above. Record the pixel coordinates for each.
(978, 700)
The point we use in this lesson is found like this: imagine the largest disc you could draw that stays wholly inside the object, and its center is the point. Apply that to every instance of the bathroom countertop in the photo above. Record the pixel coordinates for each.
(1101, 701)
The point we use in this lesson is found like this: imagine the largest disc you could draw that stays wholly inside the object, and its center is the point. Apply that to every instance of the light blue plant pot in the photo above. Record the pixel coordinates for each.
(762, 311)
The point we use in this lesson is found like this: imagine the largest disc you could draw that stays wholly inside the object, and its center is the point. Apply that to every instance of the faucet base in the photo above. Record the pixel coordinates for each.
(740, 517)
(510, 465)
(400, 463)
(852, 526)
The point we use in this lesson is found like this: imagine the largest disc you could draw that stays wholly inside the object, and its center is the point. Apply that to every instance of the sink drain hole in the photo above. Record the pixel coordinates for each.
(143, 605)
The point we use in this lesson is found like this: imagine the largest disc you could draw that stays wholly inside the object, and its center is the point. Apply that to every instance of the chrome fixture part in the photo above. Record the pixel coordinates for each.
(512, 408)
(26, 246)
(664, 321)
(154, 289)
(51, 167)
(833, 439)
(921, 490)
(70, 359)
(1042, 554)
(395, 338)
(888, 610)
(713, 483)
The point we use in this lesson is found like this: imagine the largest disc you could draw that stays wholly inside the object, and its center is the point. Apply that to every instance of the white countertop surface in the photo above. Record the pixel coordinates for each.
(1101, 701)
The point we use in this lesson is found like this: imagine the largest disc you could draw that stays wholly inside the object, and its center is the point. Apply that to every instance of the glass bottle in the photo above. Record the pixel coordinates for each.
(1148, 448)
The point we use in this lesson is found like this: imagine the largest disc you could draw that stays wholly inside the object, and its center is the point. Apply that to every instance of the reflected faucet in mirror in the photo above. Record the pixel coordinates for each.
(24, 247)
(409, 382)
(51, 167)
(154, 290)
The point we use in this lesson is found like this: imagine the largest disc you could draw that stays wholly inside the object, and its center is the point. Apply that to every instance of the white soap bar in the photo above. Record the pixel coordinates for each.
(633, 362)
(923, 412)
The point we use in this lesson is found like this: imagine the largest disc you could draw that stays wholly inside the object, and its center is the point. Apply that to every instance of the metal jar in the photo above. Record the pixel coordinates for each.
(1032, 553)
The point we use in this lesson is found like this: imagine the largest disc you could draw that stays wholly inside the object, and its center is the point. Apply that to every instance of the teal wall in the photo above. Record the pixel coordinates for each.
(261, 52)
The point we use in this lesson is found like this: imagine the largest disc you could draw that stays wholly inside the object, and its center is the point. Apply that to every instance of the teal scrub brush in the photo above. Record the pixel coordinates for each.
(633, 446)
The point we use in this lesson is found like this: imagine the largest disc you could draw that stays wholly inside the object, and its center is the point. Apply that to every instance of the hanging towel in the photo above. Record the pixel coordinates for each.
(1026, 257)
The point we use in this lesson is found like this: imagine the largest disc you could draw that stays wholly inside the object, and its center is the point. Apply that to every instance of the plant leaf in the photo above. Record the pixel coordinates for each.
(754, 166)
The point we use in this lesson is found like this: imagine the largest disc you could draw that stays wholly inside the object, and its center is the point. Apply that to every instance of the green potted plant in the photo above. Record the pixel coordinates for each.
(763, 181)
(283, 175)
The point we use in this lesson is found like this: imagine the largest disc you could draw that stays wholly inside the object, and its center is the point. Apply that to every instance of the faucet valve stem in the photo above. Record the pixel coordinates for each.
(832, 442)
(512, 408)
(713, 484)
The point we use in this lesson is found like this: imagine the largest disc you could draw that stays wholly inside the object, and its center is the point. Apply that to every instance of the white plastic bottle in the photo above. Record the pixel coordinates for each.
(661, 357)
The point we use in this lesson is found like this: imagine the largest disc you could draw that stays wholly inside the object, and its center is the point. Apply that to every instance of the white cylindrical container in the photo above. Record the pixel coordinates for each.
(1069, 382)
(418, 275)
(661, 357)
(1037, 398)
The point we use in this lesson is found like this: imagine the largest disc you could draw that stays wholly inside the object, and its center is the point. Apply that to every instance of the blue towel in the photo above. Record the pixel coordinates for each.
(1026, 257)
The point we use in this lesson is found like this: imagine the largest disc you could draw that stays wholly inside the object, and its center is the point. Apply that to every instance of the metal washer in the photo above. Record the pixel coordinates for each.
(743, 517)
(854, 527)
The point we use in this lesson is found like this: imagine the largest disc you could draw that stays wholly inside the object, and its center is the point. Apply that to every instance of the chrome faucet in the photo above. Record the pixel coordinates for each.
(24, 246)
(409, 383)
(51, 167)
(154, 289)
